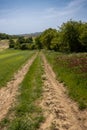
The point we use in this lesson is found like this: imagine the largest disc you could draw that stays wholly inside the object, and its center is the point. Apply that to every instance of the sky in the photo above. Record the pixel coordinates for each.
(29, 16)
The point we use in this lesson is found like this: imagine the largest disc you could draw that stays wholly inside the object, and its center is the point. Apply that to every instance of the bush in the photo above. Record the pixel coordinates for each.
(11, 43)
(24, 46)
(17, 45)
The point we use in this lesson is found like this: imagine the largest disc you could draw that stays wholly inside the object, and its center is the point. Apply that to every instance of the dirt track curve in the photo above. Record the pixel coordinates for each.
(8, 93)
(60, 112)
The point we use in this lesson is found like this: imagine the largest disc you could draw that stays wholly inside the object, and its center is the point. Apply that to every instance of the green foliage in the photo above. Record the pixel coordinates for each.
(4, 122)
(83, 36)
(70, 37)
(21, 40)
(71, 69)
(24, 46)
(22, 43)
(55, 45)
(17, 45)
(11, 43)
(4, 36)
(47, 37)
(38, 42)
(29, 40)
(33, 46)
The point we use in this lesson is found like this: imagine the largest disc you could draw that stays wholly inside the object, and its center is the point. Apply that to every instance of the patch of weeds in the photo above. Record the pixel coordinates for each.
(82, 105)
(26, 123)
(71, 69)
(4, 122)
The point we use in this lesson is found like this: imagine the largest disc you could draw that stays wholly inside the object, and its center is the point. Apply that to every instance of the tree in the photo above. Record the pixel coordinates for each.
(24, 46)
(83, 36)
(4, 36)
(70, 35)
(17, 45)
(11, 43)
(21, 40)
(29, 40)
(38, 42)
(55, 43)
(47, 37)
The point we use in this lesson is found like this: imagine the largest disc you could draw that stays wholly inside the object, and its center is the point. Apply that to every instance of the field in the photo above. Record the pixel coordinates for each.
(71, 69)
(42, 90)
(27, 114)
(10, 62)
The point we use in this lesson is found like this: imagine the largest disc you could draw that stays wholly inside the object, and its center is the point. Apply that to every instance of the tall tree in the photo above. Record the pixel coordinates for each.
(70, 35)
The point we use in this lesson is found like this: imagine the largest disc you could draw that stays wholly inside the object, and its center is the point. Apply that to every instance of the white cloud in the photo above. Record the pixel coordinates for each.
(76, 3)
(71, 9)
(25, 21)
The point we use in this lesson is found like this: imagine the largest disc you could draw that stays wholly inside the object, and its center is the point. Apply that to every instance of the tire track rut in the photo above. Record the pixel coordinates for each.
(8, 94)
(61, 113)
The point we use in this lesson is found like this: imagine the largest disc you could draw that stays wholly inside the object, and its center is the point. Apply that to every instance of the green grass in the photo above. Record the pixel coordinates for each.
(71, 69)
(10, 62)
(28, 115)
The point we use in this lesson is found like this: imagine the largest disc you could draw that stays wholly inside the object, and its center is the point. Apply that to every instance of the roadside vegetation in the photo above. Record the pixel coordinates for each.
(23, 43)
(10, 62)
(71, 69)
(27, 114)
(69, 37)
(67, 53)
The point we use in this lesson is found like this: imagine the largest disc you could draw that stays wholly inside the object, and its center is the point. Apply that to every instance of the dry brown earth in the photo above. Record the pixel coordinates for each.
(9, 92)
(4, 44)
(61, 113)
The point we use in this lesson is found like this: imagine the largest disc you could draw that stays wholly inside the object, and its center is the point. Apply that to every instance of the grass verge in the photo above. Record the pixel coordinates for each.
(72, 70)
(28, 115)
(10, 62)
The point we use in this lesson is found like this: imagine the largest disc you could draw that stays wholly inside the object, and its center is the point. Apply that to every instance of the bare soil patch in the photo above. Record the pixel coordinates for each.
(61, 113)
(8, 94)
(4, 44)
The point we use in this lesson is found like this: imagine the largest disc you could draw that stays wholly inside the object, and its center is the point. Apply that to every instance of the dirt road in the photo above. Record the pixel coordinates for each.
(60, 112)
(8, 93)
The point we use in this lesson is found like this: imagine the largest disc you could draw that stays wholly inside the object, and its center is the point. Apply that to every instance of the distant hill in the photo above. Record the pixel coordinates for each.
(31, 34)
(8, 36)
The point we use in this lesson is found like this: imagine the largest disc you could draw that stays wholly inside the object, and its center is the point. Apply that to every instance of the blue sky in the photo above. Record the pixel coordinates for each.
(27, 16)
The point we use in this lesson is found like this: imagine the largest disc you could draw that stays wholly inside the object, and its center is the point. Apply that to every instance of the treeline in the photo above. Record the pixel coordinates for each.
(70, 37)
(4, 36)
(22, 43)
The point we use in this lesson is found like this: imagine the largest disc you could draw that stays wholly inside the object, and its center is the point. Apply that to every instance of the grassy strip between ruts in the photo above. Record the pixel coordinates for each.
(10, 62)
(72, 70)
(28, 115)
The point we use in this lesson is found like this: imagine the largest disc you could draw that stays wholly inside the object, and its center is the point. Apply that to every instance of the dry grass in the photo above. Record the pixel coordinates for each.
(4, 44)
